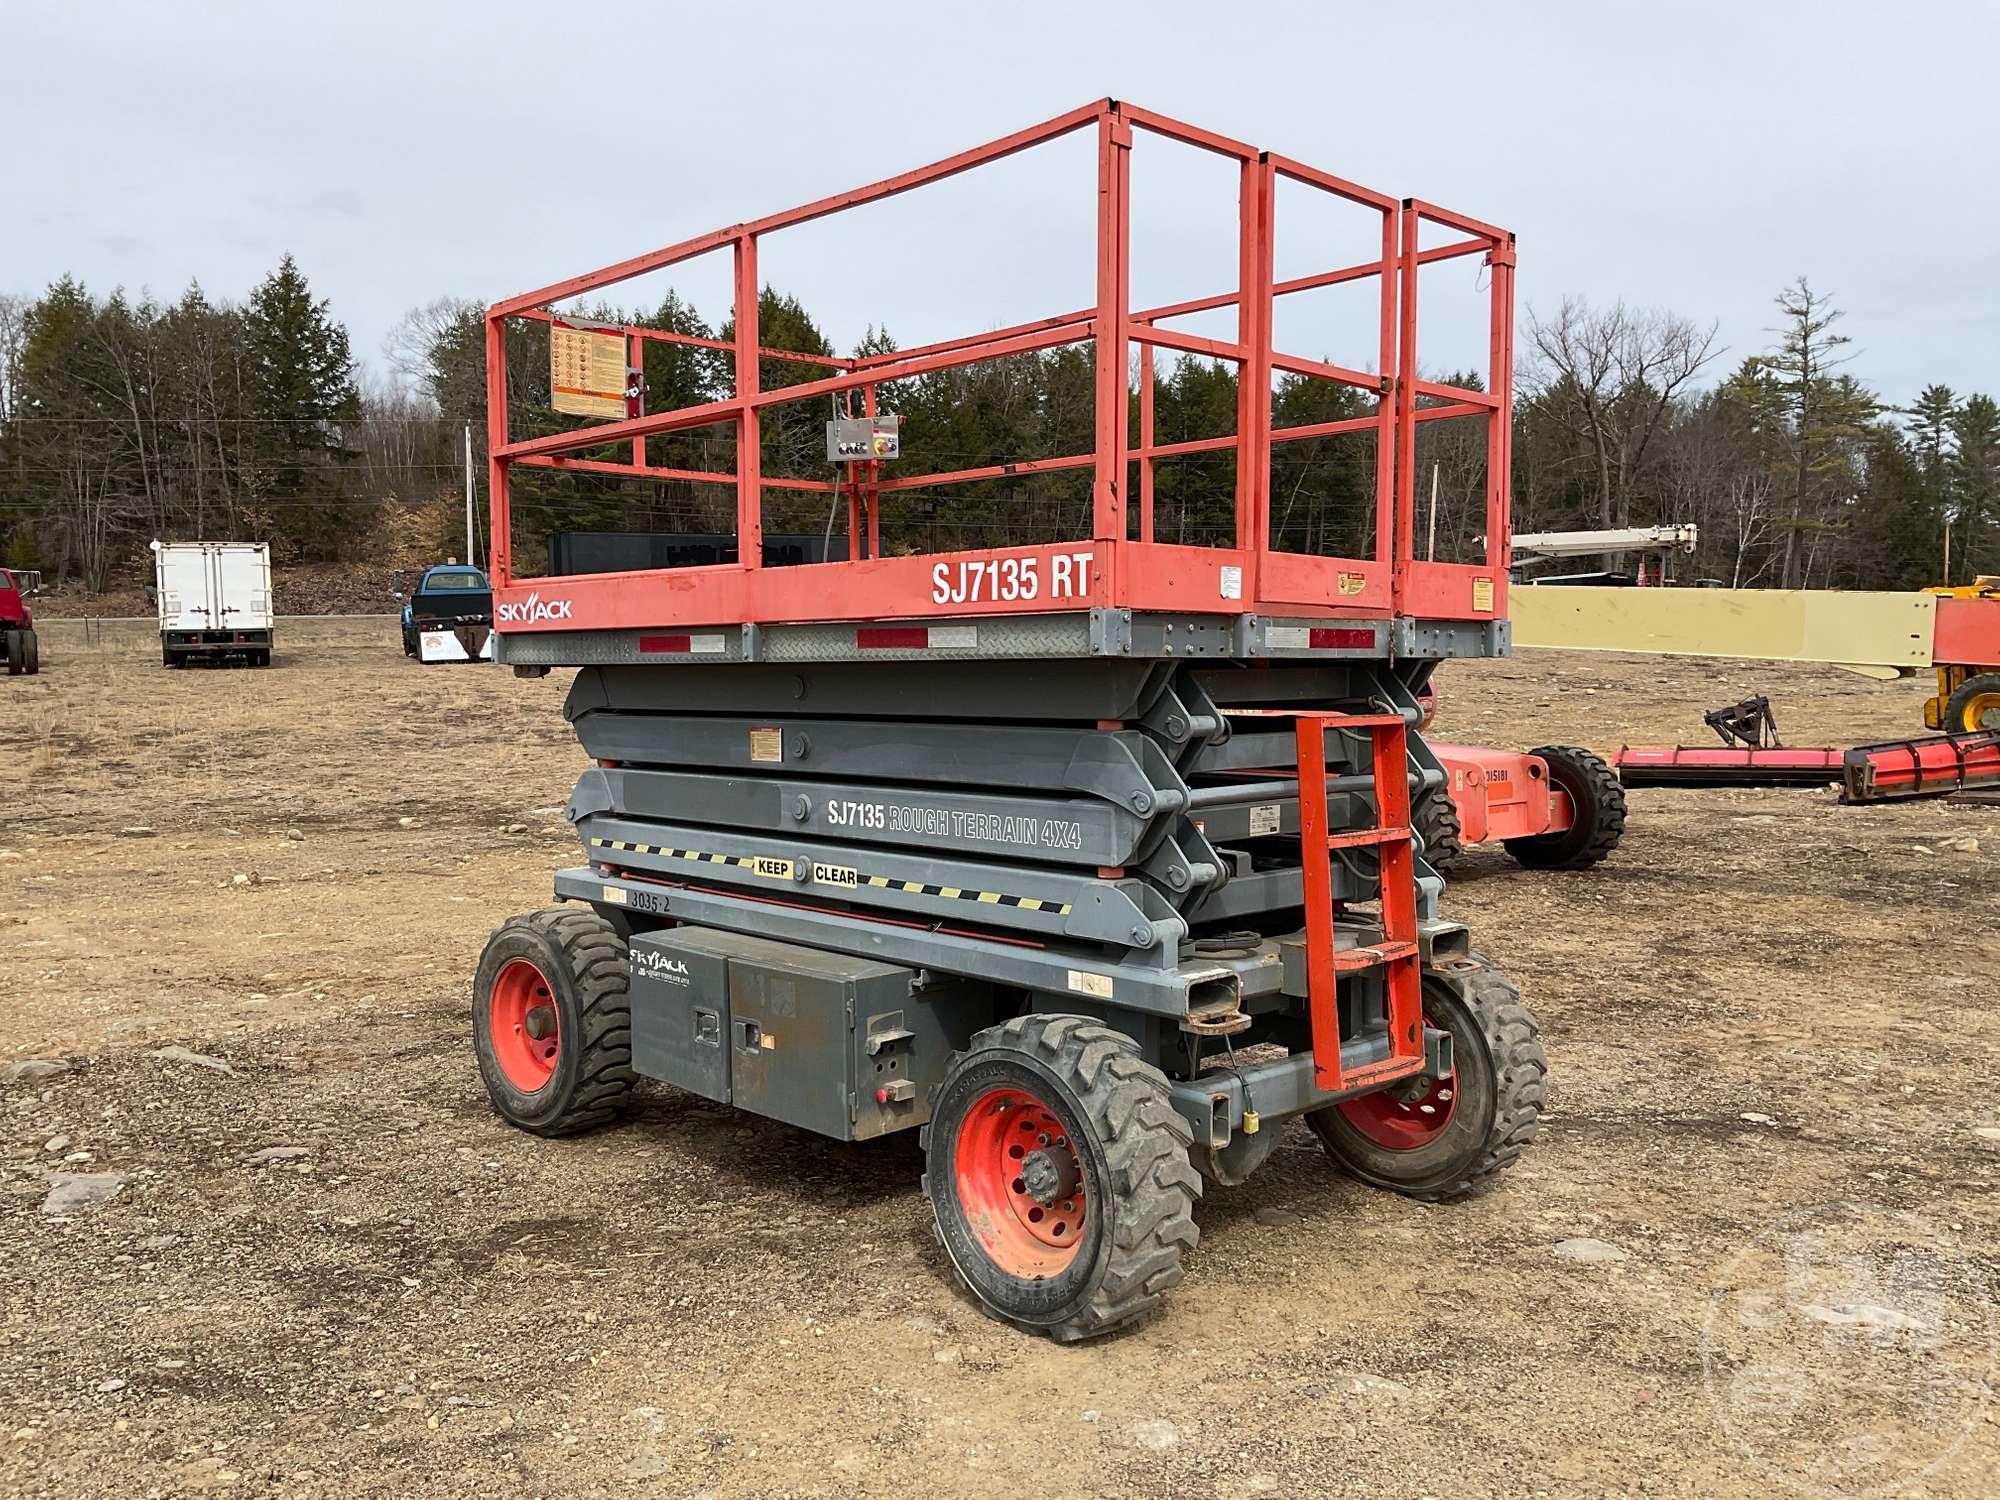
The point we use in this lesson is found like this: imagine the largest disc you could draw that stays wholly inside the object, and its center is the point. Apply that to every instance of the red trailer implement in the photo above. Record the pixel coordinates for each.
(1751, 755)
(1929, 767)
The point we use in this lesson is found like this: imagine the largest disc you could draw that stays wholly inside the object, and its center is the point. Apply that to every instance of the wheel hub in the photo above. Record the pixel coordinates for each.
(540, 1022)
(1050, 1176)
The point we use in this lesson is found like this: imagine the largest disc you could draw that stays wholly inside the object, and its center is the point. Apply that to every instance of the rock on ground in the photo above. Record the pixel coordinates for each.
(70, 1191)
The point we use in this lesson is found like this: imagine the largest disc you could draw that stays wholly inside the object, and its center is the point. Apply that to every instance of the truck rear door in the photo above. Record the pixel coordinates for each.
(187, 589)
(242, 586)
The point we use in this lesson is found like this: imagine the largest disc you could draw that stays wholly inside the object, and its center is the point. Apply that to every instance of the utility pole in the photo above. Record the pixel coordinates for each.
(1431, 543)
(471, 536)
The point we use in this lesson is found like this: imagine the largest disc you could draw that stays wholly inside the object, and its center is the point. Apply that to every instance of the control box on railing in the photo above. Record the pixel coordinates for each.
(851, 440)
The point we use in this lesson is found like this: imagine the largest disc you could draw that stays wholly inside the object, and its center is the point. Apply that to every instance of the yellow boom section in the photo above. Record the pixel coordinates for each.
(1877, 633)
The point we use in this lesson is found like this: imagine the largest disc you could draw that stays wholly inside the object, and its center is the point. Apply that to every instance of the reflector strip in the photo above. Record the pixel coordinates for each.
(682, 645)
(893, 637)
(781, 869)
(916, 637)
(1342, 639)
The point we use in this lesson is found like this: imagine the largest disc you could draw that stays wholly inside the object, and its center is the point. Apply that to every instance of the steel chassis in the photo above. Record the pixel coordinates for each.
(1173, 796)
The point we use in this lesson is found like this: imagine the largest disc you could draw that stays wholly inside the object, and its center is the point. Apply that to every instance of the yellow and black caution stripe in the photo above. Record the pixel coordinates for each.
(955, 893)
(774, 868)
(625, 847)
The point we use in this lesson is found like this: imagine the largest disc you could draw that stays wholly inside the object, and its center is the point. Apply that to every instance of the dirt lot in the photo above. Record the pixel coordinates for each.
(243, 908)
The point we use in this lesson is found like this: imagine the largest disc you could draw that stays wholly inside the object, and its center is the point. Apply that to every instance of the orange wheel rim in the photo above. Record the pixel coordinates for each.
(1021, 1184)
(1979, 709)
(525, 1025)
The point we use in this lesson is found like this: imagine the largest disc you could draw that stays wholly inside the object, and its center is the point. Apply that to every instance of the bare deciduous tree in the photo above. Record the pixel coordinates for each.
(1611, 376)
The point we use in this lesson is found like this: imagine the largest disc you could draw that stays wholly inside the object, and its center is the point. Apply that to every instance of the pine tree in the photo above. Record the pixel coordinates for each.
(1975, 489)
(1823, 415)
(302, 401)
(67, 430)
(1930, 430)
(1897, 526)
(794, 434)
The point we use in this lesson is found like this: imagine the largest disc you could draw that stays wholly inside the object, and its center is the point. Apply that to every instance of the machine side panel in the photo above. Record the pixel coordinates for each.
(680, 1011)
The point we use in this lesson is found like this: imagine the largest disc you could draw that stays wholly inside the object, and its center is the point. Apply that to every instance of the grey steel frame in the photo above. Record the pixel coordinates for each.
(1077, 822)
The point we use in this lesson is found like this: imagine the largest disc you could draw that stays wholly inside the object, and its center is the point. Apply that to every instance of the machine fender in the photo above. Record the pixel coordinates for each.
(592, 795)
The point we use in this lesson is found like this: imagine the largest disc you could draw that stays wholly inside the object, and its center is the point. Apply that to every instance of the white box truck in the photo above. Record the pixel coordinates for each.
(214, 600)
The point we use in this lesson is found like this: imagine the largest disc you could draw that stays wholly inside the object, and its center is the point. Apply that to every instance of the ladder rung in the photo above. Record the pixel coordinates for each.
(1358, 721)
(1354, 836)
(1348, 960)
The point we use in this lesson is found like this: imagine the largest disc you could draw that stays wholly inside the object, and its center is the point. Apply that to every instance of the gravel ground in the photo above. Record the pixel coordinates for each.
(260, 1233)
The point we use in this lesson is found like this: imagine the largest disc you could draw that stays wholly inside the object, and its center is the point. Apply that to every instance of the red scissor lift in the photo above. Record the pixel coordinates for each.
(1030, 818)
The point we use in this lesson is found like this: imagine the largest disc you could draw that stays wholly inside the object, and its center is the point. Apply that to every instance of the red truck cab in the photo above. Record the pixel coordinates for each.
(19, 645)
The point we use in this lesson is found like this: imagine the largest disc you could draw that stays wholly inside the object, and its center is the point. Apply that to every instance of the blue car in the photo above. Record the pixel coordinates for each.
(446, 597)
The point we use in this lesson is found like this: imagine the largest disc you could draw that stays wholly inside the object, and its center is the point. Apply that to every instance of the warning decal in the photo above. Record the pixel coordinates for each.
(587, 371)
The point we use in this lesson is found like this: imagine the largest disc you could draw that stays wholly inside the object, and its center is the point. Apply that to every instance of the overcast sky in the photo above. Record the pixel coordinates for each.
(1694, 156)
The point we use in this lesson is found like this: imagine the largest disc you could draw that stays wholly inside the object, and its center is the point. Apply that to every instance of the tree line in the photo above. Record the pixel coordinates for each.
(123, 419)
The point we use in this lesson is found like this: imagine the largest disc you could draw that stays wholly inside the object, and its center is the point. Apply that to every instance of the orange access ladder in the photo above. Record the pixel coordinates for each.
(1397, 952)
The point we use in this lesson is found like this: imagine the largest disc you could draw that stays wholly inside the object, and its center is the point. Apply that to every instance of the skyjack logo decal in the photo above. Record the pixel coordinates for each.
(534, 610)
(659, 966)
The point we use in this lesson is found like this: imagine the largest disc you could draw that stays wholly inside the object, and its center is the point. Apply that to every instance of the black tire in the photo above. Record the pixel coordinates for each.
(1974, 706)
(33, 653)
(583, 965)
(1599, 802)
(1132, 1166)
(261, 657)
(1497, 1089)
(16, 657)
(1435, 818)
